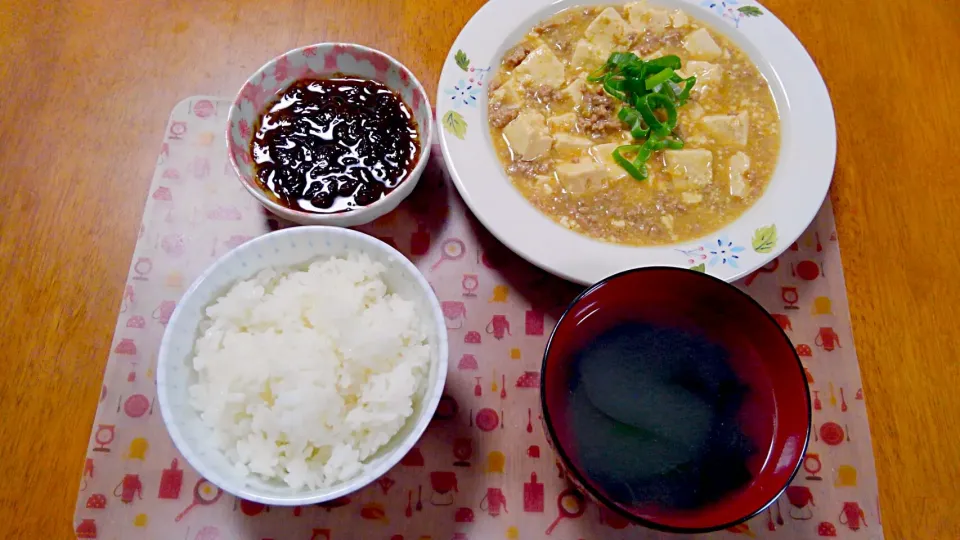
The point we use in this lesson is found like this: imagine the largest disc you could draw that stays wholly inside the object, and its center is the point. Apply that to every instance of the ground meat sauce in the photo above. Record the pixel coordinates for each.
(514, 56)
(576, 181)
(598, 114)
(545, 94)
(501, 116)
(331, 145)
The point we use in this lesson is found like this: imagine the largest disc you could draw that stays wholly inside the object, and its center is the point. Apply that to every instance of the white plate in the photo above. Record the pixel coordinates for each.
(808, 147)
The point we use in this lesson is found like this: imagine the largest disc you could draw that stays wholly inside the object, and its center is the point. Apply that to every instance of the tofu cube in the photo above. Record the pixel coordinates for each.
(603, 154)
(658, 20)
(562, 122)
(690, 197)
(635, 10)
(570, 143)
(528, 136)
(644, 18)
(728, 129)
(693, 165)
(588, 56)
(541, 67)
(679, 19)
(667, 221)
(701, 46)
(705, 72)
(574, 90)
(579, 177)
(508, 93)
(607, 30)
(692, 111)
(738, 167)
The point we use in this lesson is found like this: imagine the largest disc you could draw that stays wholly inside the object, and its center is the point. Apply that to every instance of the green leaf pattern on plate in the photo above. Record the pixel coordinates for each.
(454, 123)
(461, 59)
(765, 238)
(702, 268)
(750, 11)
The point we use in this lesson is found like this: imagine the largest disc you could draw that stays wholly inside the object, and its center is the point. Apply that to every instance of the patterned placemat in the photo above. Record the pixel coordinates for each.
(483, 469)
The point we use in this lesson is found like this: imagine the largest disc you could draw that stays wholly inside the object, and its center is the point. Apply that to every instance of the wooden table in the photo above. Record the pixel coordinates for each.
(86, 88)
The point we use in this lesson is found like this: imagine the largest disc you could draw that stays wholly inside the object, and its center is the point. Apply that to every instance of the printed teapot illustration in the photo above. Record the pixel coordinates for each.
(493, 501)
(499, 326)
(129, 487)
(851, 515)
(827, 339)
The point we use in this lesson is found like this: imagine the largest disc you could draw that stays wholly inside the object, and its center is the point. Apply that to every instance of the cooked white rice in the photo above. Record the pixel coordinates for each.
(305, 374)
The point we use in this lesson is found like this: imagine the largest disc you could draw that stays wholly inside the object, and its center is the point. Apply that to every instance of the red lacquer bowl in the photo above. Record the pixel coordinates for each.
(775, 415)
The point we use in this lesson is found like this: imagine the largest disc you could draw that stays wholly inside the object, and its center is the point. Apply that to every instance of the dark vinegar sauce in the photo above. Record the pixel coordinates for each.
(331, 145)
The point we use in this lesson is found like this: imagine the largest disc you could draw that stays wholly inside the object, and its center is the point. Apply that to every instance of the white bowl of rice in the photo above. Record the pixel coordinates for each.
(302, 365)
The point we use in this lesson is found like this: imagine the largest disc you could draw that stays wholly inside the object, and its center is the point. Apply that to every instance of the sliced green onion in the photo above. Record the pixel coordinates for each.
(632, 118)
(684, 95)
(656, 143)
(671, 89)
(671, 61)
(656, 80)
(637, 168)
(621, 58)
(598, 74)
(636, 69)
(645, 87)
(652, 102)
(614, 87)
(673, 144)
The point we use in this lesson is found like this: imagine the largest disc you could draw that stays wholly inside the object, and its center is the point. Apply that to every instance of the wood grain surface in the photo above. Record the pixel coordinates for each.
(86, 87)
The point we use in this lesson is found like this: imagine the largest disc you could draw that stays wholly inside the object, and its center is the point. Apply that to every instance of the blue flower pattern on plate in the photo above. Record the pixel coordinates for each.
(725, 252)
(719, 6)
(725, 9)
(463, 93)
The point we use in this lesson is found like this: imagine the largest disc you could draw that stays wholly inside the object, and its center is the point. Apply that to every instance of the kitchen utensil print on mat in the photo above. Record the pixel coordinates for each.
(570, 505)
(452, 250)
(443, 485)
(128, 488)
(852, 515)
(455, 312)
(493, 502)
(470, 283)
(204, 494)
(499, 326)
(812, 465)
(533, 495)
(801, 499)
(774, 510)
(768, 268)
(103, 437)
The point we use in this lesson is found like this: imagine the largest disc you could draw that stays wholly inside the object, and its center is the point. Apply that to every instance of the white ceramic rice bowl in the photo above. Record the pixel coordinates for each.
(292, 247)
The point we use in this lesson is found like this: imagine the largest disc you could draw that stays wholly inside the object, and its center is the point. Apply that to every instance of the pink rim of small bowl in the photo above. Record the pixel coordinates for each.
(318, 61)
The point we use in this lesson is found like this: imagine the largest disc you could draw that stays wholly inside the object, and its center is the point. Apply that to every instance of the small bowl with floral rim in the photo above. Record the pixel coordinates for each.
(323, 61)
